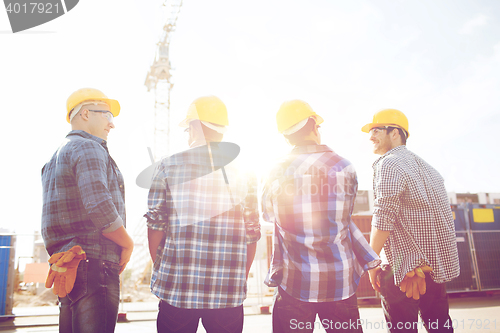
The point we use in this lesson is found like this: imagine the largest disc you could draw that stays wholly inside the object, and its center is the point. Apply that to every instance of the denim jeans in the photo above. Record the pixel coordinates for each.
(172, 319)
(292, 315)
(92, 305)
(401, 313)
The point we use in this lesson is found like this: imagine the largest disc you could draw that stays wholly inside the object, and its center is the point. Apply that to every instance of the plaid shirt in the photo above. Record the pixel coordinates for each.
(83, 194)
(208, 218)
(411, 202)
(319, 254)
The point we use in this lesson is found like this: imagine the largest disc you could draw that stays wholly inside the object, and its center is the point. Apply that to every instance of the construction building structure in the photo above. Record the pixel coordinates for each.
(159, 80)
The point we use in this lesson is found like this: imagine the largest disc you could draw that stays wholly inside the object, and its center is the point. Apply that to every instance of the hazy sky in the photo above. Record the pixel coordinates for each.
(437, 61)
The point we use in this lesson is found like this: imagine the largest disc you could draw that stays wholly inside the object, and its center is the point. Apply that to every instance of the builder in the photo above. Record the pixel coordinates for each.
(413, 223)
(84, 208)
(319, 254)
(203, 225)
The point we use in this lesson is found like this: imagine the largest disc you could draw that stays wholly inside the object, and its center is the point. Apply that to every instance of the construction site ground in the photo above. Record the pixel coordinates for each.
(471, 312)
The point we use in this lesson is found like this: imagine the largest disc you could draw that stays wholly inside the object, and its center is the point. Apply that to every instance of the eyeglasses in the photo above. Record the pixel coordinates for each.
(377, 130)
(106, 114)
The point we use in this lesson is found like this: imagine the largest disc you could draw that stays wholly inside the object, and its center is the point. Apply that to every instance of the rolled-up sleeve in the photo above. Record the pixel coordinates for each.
(91, 177)
(388, 185)
(251, 211)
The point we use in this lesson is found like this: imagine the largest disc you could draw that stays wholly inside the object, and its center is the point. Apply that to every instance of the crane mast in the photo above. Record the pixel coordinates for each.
(159, 80)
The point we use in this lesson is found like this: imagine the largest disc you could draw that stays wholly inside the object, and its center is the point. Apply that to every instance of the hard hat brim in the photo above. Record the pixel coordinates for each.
(114, 106)
(185, 122)
(319, 119)
(368, 127)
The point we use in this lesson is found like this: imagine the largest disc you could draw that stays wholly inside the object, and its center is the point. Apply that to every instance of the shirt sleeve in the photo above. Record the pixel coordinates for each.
(158, 201)
(114, 226)
(251, 211)
(266, 199)
(350, 186)
(91, 165)
(388, 186)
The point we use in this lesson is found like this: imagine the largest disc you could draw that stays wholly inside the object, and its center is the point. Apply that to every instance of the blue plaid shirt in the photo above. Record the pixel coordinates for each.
(83, 194)
(319, 254)
(209, 214)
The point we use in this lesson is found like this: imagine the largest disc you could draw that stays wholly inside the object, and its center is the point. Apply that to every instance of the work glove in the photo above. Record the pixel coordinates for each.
(62, 272)
(413, 283)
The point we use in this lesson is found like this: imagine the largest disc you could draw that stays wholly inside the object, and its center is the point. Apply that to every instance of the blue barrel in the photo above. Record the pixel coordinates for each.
(5, 244)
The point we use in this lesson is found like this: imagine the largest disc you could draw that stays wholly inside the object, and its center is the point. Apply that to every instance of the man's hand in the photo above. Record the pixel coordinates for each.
(375, 278)
(377, 241)
(62, 273)
(155, 238)
(125, 257)
(413, 283)
(251, 249)
(122, 238)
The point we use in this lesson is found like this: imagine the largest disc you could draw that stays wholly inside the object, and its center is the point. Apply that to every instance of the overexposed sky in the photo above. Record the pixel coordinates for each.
(437, 61)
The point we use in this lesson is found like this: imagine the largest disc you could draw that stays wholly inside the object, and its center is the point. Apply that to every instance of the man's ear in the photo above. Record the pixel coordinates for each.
(394, 134)
(316, 130)
(84, 113)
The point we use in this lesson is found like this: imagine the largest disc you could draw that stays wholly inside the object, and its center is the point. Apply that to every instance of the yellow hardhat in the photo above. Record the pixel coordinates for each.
(388, 117)
(207, 108)
(293, 112)
(90, 94)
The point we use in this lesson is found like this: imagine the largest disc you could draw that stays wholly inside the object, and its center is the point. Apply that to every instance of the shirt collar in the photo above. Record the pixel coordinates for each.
(390, 152)
(87, 135)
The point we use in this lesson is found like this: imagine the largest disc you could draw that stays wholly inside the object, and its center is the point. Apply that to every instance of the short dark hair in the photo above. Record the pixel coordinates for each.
(298, 137)
(402, 133)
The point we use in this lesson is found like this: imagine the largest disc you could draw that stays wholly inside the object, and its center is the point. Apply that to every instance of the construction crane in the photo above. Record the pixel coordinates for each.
(159, 79)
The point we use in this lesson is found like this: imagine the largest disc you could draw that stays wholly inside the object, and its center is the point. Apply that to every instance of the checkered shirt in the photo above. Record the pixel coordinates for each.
(411, 202)
(319, 254)
(83, 194)
(208, 222)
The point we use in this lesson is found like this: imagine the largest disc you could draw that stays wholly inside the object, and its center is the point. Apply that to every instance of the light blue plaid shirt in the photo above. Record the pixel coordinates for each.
(319, 254)
(208, 222)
